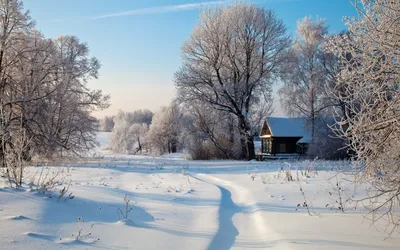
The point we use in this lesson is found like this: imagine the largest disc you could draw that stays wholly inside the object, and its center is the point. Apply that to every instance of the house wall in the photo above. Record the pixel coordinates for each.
(285, 145)
(282, 145)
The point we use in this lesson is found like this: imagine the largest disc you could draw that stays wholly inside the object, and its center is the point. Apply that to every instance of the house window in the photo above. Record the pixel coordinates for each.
(267, 146)
(282, 148)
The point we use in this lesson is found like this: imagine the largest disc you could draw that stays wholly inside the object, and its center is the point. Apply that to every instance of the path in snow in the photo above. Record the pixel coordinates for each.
(227, 232)
(245, 209)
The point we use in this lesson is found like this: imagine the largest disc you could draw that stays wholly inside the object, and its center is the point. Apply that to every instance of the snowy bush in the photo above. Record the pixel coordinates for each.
(46, 179)
(128, 137)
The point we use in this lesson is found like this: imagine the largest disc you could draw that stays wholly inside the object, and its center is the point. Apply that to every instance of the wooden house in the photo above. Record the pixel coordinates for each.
(285, 136)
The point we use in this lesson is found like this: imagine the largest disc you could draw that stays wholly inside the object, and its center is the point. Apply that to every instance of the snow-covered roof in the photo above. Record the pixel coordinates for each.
(289, 127)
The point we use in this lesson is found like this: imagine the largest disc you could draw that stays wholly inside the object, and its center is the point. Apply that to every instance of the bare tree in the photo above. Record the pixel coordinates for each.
(368, 85)
(306, 78)
(232, 57)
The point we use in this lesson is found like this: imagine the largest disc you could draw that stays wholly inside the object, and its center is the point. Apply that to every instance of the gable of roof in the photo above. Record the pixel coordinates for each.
(289, 127)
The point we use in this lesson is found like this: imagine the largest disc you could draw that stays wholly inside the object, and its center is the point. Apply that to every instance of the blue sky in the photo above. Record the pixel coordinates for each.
(138, 41)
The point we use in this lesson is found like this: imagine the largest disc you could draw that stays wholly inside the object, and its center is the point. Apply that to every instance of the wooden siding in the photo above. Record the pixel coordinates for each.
(289, 144)
(282, 145)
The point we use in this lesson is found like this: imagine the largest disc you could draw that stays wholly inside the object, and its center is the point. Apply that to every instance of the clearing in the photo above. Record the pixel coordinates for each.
(181, 204)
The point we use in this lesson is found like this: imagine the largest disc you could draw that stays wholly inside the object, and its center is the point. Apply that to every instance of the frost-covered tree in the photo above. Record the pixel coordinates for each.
(142, 116)
(45, 105)
(165, 130)
(139, 132)
(129, 133)
(306, 75)
(368, 86)
(107, 124)
(121, 138)
(230, 60)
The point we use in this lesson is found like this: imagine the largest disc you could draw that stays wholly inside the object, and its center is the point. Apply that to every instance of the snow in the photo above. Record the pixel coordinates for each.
(176, 156)
(289, 127)
(186, 204)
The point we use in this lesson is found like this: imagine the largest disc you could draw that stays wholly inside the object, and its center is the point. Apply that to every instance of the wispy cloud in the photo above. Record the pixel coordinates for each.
(161, 9)
(164, 9)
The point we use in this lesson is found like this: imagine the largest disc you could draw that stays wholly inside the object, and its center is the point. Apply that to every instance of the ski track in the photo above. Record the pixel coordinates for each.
(245, 203)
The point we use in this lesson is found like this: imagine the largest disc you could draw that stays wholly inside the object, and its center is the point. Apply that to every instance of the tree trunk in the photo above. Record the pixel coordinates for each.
(246, 140)
(231, 129)
(250, 148)
(139, 146)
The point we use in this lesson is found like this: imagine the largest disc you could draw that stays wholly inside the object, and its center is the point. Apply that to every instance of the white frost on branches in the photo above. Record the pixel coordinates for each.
(369, 88)
(130, 131)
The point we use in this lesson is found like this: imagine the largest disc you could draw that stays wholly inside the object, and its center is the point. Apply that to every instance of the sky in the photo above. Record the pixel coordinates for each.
(138, 42)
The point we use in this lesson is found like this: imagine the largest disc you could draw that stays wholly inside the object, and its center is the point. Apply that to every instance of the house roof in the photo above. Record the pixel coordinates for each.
(289, 127)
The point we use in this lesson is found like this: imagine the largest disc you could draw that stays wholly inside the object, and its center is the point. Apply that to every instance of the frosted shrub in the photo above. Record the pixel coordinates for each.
(45, 180)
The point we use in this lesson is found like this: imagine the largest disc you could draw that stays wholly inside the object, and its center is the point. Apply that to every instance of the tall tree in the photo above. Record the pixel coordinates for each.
(232, 57)
(307, 75)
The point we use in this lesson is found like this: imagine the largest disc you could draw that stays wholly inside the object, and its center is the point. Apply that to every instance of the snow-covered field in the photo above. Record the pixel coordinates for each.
(181, 204)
